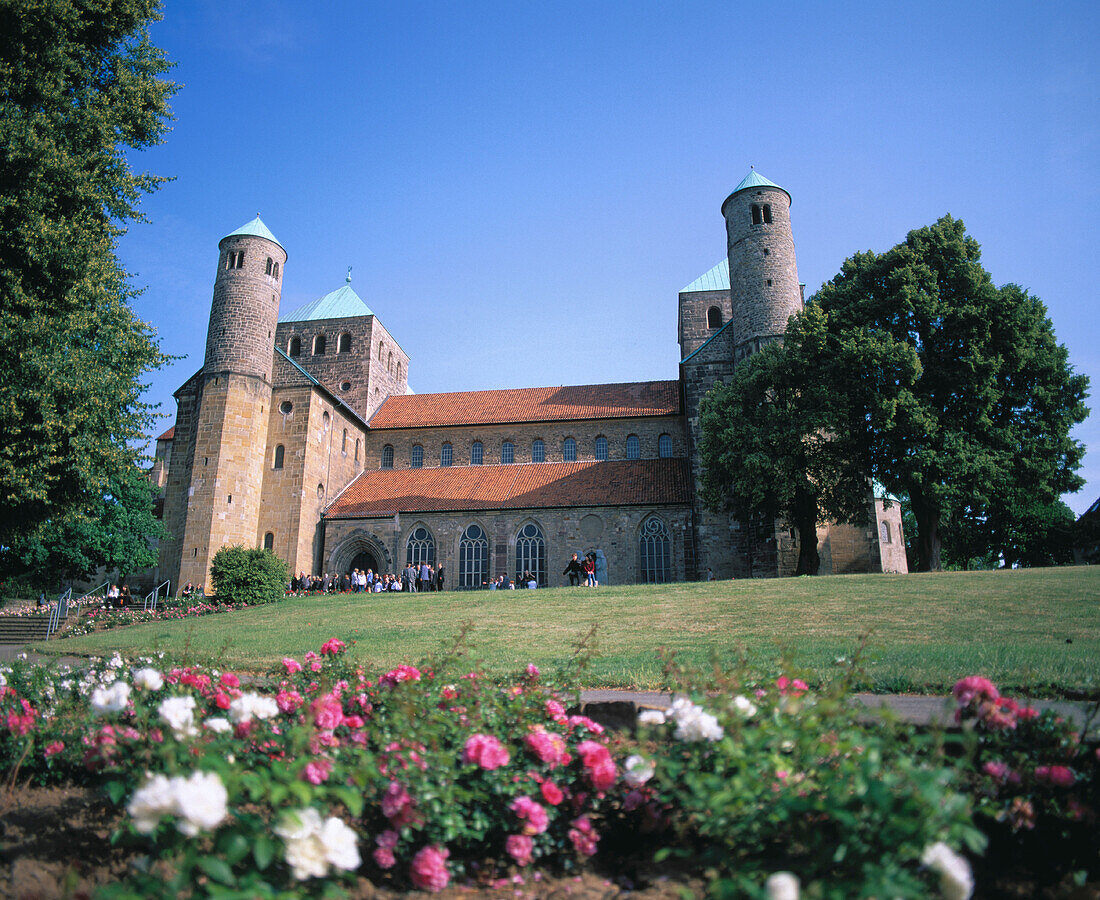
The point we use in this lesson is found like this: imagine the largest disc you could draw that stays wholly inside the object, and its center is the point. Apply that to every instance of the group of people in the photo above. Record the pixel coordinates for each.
(575, 568)
(118, 596)
(190, 591)
(504, 583)
(413, 578)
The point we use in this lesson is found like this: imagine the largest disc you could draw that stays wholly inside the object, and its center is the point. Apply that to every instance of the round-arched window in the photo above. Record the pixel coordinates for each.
(507, 453)
(319, 344)
(538, 451)
(416, 456)
(714, 317)
(387, 456)
(295, 348)
(344, 346)
(420, 547)
(656, 551)
(473, 558)
(569, 450)
(664, 446)
(269, 541)
(601, 447)
(446, 455)
(477, 452)
(530, 555)
(280, 453)
(633, 447)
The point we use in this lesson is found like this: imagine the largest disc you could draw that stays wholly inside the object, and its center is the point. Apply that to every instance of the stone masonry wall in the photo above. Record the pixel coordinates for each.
(694, 330)
(178, 483)
(614, 530)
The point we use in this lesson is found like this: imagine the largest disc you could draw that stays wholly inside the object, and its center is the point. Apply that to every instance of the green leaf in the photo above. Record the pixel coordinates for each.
(218, 869)
(263, 851)
(116, 790)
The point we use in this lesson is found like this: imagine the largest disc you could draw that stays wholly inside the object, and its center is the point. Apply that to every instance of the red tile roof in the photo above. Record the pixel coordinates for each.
(548, 404)
(169, 435)
(623, 482)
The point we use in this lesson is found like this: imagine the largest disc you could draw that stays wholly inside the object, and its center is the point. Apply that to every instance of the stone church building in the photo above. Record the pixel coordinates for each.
(300, 434)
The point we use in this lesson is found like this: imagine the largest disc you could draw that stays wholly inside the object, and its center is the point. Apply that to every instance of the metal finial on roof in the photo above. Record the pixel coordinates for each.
(348, 279)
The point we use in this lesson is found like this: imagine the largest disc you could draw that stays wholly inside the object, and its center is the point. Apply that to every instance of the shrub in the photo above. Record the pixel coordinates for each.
(250, 576)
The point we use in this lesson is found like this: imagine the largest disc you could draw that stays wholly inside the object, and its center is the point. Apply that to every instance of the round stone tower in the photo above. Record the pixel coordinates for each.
(764, 286)
(245, 309)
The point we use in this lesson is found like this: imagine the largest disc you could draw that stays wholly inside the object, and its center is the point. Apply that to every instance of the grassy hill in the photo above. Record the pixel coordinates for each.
(1034, 631)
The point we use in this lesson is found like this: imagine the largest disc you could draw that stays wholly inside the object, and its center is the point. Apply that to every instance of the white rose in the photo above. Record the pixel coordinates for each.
(3, 680)
(782, 886)
(201, 801)
(151, 801)
(340, 844)
(305, 852)
(110, 699)
(179, 714)
(637, 770)
(744, 706)
(116, 662)
(651, 717)
(148, 679)
(218, 724)
(247, 707)
(956, 879)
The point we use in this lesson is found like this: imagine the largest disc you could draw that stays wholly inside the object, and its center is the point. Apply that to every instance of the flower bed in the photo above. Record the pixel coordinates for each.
(325, 777)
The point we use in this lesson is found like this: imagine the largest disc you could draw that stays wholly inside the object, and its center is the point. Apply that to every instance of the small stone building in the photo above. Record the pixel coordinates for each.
(301, 434)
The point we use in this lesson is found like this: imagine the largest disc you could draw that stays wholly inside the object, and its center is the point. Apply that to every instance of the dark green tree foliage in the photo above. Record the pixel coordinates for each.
(117, 534)
(244, 575)
(774, 444)
(980, 433)
(79, 85)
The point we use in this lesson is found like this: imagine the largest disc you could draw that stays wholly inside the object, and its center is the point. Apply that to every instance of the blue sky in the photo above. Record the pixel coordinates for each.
(522, 188)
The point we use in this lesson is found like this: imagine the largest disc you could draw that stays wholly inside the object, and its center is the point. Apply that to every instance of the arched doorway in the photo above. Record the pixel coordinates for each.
(363, 561)
(359, 550)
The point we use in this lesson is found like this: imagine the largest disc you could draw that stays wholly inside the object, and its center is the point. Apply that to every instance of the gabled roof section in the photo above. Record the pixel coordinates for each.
(256, 228)
(546, 404)
(169, 435)
(336, 401)
(622, 482)
(716, 279)
(342, 303)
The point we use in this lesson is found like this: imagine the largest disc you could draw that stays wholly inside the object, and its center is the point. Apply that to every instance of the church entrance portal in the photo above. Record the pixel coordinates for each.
(363, 561)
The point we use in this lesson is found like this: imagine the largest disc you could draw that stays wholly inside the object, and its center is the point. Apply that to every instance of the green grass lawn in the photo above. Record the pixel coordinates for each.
(1029, 630)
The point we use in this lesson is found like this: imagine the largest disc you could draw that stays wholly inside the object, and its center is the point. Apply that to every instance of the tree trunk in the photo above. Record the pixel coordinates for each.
(928, 532)
(809, 560)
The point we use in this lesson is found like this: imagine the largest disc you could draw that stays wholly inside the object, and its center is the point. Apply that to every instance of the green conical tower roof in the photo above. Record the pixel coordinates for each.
(755, 180)
(256, 228)
(343, 303)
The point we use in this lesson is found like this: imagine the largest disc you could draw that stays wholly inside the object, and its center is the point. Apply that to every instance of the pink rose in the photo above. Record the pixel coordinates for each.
(583, 836)
(54, 748)
(1059, 776)
(997, 770)
(384, 858)
(548, 747)
(397, 805)
(551, 793)
(532, 813)
(288, 701)
(585, 722)
(555, 711)
(327, 711)
(520, 848)
(429, 868)
(230, 680)
(974, 687)
(486, 751)
(533, 671)
(317, 771)
(292, 665)
(795, 688)
(398, 675)
(332, 647)
(598, 765)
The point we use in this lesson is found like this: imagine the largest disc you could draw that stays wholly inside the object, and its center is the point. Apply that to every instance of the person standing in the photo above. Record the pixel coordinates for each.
(425, 576)
(589, 571)
(440, 577)
(573, 570)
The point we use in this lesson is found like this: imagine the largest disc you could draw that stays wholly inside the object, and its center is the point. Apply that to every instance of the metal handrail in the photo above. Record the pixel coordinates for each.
(60, 609)
(154, 595)
(90, 593)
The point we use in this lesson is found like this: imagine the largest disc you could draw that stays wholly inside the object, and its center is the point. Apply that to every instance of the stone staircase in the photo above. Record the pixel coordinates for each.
(26, 629)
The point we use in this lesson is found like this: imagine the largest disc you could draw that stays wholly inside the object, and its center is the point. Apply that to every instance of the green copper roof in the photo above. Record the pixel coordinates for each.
(755, 179)
(716, 279)
(256, 228)
(343, 303)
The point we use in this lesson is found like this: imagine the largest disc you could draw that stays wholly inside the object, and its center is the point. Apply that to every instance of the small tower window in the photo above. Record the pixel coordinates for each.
(275, 272)
(286, 407)
(399, 371)
(380, 351)
(295, 348)
(477, 452)
(320, 491)
(767, 214)
(446, 455)
(280, 452)
(884, 532)
(389, 363)
(357, 449)
(344, 443)
(387, 456)
(345, 343)
(235, 259)
(416, 457)
(664, 446)
(601, 447)
(714, 317)
(633, 447)
(345, 385)
(267, 267)
(269, 541)
(507, 453)
(569, 450)
(319, 345)
(538, 451)
(757, 218)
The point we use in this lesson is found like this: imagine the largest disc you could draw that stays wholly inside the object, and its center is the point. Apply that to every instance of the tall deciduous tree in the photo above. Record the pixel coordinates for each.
(80, 84)
(988, 417)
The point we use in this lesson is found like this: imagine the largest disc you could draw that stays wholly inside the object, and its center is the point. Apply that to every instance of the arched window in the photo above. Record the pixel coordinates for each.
(275, 272)
(507, 453)
(530, 555)
(344, 443)
(473, 558)
(389, 363)
(446, 455)
(476, 453)
(884, 532)
(344, 345)
(280, 451)
(569, 450)
(656, 549)
(269, 541)
(767, 214)
(757, 219)
(538, 451)
(664, 446)
(601, 447)
(399, 371)
(267, 268)
(714, 317)
(319, 345)
(420, 547)
(357, 449)
(295, 348)
(380, 351)
(416, 456)
(633, 447)
(387, 456)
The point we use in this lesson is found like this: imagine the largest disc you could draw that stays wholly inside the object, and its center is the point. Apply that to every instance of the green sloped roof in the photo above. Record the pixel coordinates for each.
(754, 180)
(343, 303)
(716, 279)
(256, 228)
